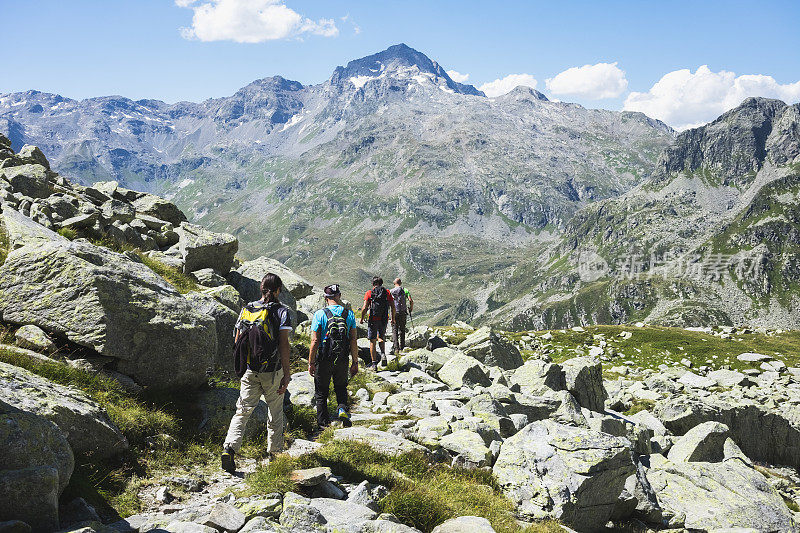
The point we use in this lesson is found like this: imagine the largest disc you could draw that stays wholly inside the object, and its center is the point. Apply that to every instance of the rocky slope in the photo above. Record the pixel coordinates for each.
(388, 166)
(710, 238)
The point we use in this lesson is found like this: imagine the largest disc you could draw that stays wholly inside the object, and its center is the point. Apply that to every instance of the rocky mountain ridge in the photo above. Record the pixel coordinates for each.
(410, 168)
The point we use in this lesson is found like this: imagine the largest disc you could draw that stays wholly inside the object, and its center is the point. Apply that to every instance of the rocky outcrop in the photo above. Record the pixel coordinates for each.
(36, 463)
(583, 378)
(112, 304)
(86, 425)
(491, 349)
(200, 248)
(572, 474)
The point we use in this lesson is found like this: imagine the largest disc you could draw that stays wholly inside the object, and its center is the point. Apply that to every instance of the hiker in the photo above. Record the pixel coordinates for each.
(403, 306)
(333, 342)
(379, 301)
(261, 360)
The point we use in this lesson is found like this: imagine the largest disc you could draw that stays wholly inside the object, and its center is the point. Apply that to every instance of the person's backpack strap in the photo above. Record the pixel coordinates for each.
(328, 313)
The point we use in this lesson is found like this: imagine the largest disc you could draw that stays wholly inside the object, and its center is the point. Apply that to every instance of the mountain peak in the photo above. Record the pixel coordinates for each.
(397, 60)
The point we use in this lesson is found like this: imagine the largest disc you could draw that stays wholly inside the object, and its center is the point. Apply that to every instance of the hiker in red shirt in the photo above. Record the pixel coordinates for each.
(379, 301)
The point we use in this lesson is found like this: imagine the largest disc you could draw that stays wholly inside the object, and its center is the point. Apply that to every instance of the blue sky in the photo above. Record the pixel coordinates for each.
(151, 49)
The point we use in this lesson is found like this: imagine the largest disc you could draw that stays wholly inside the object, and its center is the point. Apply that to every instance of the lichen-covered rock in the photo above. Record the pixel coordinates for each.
(537, 377)
(340, 514)
(21, 230)
(34, 338)
(36, 463)
(468, 444)
(461, 524)
(583, 378)
(301, 389)
(201, 248)
(30, 180)
(86, 425)
(217, 406)
(380, 441)
(491, 349)
(112, 304)
(34, 155)
(464, 371)
(572, 474)
(704, 442)
(293, 282)
(424, 359)
(225, 320)
(154, 206)
(717, 496)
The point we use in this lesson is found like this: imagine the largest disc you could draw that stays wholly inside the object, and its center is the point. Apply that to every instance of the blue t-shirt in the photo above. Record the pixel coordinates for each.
(320, 321)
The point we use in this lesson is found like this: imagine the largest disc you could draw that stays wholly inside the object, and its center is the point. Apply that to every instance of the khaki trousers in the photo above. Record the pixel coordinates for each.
(255, 385)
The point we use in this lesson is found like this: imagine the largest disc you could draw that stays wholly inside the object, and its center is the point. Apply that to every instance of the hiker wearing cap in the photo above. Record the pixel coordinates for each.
(261, 360)
(403, 306)
(333, 343)
(379, 302)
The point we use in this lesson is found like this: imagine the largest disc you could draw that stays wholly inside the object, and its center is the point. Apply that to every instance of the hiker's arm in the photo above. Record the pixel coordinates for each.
(363, 311)
(394, 313)
(312, 352)
(410, 304)
(354, 351)
(283, 348)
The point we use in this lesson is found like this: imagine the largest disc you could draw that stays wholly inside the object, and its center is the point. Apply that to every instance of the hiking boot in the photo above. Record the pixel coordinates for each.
(344, 417)
(228, 464)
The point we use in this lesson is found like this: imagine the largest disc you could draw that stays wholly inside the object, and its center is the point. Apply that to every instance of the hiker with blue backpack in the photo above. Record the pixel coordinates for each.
(333, 355)
(261, 360)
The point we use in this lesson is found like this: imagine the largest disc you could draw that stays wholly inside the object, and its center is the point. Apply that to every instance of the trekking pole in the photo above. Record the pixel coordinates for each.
(412, 319)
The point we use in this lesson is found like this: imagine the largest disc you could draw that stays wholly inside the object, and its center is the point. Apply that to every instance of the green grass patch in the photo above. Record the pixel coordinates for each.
(183, 283)
(421, 494)
(652, 346)
(68, 233)
(5, 245)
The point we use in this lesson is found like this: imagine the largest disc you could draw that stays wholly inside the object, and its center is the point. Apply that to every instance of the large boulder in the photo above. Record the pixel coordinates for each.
(583, 378)
(718, 496)
(464, 371)
(569, 473)
(21, 230)
(85, 424)
(30, 180)
(425, 359)
(201, 248)
(36, 463)
(748, 420)
(491, 349)
(154, 206)
(225, 319)
(112, 304)
(380, 441)
(217, 406)
(537, 377)
(704, 442)
(293, 282)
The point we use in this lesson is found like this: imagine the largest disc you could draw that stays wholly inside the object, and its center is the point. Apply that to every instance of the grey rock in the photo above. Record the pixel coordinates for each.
(469, 444)
(310, 477)
(217, 406)
(463, 371)
(225, 517)
(379, 441)
(111, 304)
(301, 388)
(424, 359)
(473, 524)
(30, 495)
(690, 379)
(188, 527)
(750, 357)
(116, 210)
(14, 526)
(201, 248)
(572, 474)
(717, 496)
(341, 514)
(584, 380)
(302, 517)
(159, 208)
(77, 511)
(536, 377)
(208, 278)
(33, 337)
(729, 378)
(259, 524)
(30, 180)
(704, 442)
(491, 349)
(21, 230)
(260, 508)
(224, 320)
(86, 425)
(32, 154)
(362, 495)
(294, 283)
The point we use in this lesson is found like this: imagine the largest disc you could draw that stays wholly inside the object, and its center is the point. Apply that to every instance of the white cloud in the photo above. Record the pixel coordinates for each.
(250, 21)
(457, 76)
(595, 82)
(504, 85)
(684, 99)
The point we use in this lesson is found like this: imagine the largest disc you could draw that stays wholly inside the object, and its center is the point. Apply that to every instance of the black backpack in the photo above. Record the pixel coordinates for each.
(378, 303)
(257, 345)
(336, 344)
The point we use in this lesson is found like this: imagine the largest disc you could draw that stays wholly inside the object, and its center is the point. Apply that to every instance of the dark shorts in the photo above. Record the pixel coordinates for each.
(377, 328)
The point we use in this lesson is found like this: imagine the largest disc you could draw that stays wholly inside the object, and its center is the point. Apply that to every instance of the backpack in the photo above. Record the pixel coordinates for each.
(399, 295)
(336, 343)
(378, 303)
(257, 345)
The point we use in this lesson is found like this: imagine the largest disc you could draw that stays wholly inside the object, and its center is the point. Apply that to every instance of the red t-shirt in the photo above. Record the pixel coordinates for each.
(389, 298)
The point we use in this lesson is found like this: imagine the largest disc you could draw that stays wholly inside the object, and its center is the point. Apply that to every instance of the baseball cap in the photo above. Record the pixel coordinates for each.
(332, 290)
